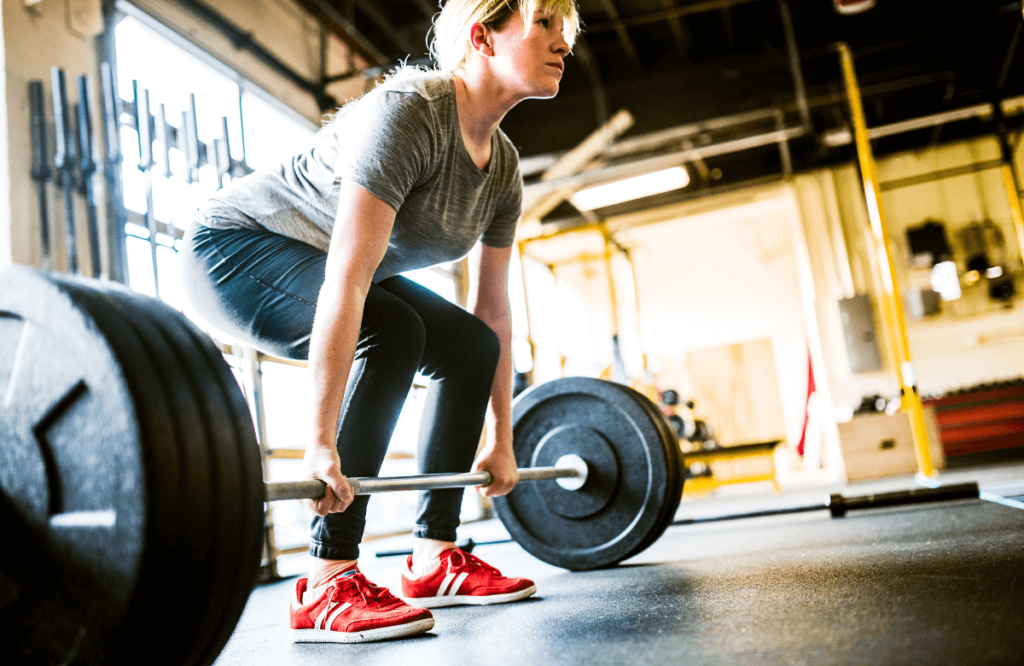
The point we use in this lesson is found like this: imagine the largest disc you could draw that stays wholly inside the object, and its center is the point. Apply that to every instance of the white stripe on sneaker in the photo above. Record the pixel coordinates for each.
(319, 624)
(336, 613)
(444, 584)
(454, 589)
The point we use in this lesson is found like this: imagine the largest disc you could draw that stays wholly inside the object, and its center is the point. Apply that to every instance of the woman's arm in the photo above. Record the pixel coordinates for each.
(358, 243)
(488, 300)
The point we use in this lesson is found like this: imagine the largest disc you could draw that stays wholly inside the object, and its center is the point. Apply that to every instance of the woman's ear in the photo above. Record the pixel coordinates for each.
(480, 39)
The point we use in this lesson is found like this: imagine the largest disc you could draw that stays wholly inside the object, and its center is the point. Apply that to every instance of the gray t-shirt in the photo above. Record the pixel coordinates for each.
(402, 143)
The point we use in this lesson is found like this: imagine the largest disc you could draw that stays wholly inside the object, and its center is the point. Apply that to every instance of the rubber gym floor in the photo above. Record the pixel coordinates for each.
(923, 584)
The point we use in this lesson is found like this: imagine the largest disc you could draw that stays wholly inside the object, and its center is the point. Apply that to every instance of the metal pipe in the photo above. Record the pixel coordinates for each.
(649, 165)
(665, 15)
(314, 489)
(873, 195)
(658, 139)
(244, 41)
(794, 63)
(940, 175)
(966, 113)
(620, 30)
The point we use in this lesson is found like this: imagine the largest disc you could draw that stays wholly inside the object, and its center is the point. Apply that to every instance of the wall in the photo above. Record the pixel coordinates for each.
(972, 340)
(279, 26)
(774, 262)
(52, 33)
(35, 39)
(723, 277)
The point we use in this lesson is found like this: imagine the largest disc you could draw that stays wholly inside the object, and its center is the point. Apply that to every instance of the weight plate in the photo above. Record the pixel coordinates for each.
(74, 450)
(177, 550)
(191, 474)
(639, 489)
(673, 456)
(602, 475)
(237, 481)
(242, 497)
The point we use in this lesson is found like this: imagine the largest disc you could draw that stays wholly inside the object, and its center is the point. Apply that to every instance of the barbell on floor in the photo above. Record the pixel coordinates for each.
(130, 474)
(131, 484)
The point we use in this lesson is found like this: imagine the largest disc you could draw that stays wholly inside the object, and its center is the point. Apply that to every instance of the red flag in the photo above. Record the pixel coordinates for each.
(807, 413)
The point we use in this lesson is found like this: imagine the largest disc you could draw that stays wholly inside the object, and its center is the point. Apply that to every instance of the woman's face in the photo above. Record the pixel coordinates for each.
(533, 66)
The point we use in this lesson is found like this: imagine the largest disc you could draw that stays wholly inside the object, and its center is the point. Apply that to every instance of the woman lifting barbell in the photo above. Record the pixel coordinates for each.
(413, 174)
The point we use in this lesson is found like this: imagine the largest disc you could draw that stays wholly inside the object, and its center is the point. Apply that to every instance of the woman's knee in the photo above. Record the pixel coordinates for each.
(390, 326)
(488, 343)
(476, 342)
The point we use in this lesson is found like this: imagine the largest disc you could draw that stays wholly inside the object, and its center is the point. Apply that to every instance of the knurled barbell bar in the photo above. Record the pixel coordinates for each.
(570, 471)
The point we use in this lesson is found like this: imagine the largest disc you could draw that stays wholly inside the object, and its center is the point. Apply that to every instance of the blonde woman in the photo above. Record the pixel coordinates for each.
(303, 261)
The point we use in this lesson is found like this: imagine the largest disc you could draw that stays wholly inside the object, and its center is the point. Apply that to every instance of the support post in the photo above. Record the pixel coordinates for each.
(1010, 179)
(911, 401)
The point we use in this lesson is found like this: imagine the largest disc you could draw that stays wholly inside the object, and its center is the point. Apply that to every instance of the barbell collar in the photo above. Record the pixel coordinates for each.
(314, 488)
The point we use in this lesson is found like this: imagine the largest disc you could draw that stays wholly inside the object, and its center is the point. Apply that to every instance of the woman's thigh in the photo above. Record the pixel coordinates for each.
(455, 338)
(256, 286)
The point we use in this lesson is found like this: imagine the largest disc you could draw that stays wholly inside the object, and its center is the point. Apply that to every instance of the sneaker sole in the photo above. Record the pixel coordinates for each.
(370, 635)
(468, 600)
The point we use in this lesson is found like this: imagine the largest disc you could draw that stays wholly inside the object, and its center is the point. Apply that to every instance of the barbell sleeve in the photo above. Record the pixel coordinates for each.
(314, 488)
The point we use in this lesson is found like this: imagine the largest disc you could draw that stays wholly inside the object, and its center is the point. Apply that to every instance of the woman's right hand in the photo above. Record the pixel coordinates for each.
(323, 463)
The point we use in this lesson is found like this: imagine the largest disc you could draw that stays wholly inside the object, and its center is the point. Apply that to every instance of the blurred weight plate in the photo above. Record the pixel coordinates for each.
(75, 444)
(220, 588)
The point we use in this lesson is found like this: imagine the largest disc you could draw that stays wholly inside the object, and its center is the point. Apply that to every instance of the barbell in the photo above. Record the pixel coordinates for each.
(131, 483)
(132, 494)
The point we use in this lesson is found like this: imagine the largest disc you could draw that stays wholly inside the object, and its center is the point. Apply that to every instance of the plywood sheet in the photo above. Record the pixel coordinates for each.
(736, 389)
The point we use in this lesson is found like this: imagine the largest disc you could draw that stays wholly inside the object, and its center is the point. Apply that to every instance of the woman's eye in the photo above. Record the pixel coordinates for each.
(544, 23)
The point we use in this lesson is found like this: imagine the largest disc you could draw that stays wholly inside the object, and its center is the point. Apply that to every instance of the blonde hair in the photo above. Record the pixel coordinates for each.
(450, 43)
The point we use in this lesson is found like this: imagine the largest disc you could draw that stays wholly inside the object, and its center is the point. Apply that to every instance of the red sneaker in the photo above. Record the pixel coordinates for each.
(351, 609)
(462, 578)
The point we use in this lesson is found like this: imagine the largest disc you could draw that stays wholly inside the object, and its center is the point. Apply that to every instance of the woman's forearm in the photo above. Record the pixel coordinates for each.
(499, 411)
(332, 347)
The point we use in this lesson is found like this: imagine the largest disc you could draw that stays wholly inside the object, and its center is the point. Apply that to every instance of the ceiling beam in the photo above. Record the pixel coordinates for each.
(382, 22)
(620, 29)
(664, 15)
(675, 23)
(428, 8)
(325, 12)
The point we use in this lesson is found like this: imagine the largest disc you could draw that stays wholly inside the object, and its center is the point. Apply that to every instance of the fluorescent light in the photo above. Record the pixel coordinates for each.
(631, 188)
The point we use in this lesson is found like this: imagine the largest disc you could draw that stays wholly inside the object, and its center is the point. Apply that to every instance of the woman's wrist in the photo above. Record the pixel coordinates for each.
(317, 444)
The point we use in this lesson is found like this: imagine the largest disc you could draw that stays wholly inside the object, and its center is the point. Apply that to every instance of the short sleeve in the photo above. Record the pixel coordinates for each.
(386, 144)
(502, 230)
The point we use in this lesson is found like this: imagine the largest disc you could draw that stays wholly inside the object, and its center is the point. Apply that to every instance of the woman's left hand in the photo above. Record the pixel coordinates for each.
(501, 463)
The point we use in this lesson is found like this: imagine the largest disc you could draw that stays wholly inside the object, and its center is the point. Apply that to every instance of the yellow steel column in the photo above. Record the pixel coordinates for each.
(611, 286)
(526, 306)
(873, 194)
(1015, 210)
(636, 301)
(618, 369)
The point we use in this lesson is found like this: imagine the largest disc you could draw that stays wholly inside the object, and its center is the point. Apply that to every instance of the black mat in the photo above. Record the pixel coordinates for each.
(934, 584)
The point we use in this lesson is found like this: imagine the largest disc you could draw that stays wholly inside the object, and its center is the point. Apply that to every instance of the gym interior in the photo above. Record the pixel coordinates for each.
(767, 285)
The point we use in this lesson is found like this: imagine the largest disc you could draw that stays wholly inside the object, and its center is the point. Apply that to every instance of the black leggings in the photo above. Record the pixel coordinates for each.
(262, 288)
